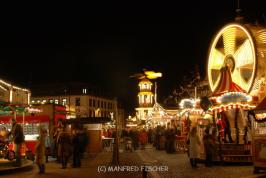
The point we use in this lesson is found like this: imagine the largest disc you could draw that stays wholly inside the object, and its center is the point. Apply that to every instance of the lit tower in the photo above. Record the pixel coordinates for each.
(145, 94)
(146, 97)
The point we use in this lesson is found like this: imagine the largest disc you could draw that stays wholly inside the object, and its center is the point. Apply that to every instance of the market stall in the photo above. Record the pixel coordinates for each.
(31, 125)
(230, 104)
(257, 118)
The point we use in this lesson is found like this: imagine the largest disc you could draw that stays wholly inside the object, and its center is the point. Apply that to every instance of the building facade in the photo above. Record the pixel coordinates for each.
(80, 99)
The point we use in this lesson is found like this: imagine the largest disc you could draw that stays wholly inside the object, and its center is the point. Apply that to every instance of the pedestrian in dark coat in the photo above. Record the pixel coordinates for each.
(77, 148)
(64, 147)
(208, 141)
(18, 139)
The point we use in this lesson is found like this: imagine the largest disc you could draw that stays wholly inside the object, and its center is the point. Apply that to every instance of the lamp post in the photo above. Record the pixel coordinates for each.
(153, 75)
(116, 143)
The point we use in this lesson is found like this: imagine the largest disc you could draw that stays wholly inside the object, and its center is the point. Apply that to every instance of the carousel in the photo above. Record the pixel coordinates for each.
(236, 71)
(14, 104)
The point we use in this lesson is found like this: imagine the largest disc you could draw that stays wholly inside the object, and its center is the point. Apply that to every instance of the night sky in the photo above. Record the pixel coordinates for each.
(104, 44)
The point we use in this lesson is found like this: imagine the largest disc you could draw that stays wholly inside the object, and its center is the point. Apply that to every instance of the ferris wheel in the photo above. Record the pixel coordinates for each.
(233, 46)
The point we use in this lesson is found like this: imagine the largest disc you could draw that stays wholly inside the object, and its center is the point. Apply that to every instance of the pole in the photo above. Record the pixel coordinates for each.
(116, 144)
(155, 95)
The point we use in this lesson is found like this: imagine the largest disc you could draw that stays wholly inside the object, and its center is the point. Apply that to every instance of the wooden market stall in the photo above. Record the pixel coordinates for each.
(258, 120)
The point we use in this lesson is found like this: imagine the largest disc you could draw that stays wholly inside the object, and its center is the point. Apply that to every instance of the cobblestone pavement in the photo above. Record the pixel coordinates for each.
(177, 164)
(89, 169)
(179, 167)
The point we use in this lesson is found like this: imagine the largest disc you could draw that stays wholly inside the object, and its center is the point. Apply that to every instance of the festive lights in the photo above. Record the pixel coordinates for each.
(242, 60)
(229, 40)
(152, 74)
(187, 103)
(262, 36)
(225, 107)
(233, 97)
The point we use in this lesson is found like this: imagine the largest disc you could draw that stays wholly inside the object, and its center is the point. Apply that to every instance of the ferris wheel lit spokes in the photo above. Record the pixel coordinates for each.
(232, 46)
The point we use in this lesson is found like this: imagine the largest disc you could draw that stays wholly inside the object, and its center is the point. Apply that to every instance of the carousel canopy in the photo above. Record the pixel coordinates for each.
(229, 95)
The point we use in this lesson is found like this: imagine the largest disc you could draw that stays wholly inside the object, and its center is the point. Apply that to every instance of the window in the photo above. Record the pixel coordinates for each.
(101, 104)
(51, 101)
(56, 102)
(64, 101)
(84, 90)
(93, 102)
(44, 101)
(98, 104)
(77, 101)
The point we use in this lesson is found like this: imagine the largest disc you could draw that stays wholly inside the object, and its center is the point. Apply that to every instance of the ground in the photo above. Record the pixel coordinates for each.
(131, 163)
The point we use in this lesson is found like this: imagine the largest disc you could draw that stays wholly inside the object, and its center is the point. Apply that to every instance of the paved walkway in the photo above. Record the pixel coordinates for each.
(179, 166)
(131, 165)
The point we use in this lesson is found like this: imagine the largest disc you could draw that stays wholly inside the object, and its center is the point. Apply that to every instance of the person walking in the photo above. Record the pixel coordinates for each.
(209, 147)
(64, 147)
(40, 151)
(143, 139)
(76, 141)
(194, 143)
(18, 139)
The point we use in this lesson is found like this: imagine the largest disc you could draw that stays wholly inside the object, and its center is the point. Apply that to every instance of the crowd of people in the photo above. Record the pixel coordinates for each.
(67, 144)
(63, 144)
(161, 137)
(164, 138)
(209, 143)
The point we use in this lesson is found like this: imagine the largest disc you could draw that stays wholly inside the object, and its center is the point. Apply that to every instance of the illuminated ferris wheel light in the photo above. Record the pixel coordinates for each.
(233, 46)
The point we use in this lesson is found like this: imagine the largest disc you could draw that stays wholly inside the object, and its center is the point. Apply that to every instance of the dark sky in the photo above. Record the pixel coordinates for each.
(104, 43)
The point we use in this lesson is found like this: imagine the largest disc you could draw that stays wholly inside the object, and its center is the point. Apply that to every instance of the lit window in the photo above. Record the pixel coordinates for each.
(64, 101)
(51, 101)
(56, 101)
(38, 101)
(84, 90)
(33, 101)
